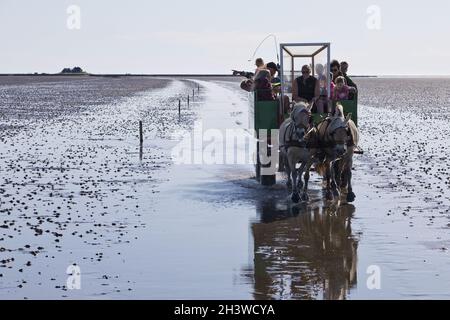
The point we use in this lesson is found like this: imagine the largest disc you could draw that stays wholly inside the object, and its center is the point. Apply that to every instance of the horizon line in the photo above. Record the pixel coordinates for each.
(196, 75)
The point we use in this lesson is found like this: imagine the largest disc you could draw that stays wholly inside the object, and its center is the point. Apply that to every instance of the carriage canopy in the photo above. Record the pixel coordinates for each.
(295, 55)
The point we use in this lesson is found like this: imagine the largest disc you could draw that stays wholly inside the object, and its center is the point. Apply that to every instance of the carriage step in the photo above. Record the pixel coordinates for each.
(358, 150)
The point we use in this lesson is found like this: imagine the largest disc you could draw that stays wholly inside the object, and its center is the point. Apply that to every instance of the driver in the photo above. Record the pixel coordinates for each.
(276, 84)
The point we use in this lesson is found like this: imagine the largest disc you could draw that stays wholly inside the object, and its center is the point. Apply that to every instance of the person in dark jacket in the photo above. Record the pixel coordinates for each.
(348, 80)
(335, 68)
(276, 85)
(273, 69)
(263, 87)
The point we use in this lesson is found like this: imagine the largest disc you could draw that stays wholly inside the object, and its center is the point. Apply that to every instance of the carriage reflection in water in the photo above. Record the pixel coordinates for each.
(266, 117)
(303, 252)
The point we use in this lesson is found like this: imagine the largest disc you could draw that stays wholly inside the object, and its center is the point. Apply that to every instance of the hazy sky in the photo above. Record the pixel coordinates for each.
(209, 36)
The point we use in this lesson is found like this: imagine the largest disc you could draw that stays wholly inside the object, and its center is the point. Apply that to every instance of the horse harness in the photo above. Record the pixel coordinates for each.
(328, 143)
(300, 143)
(293, 129)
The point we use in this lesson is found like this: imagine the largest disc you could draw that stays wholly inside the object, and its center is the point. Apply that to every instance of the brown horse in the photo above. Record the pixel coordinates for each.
(336, 137)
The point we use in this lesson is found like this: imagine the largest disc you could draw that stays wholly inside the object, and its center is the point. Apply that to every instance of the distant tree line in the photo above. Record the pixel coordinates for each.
(73, 70)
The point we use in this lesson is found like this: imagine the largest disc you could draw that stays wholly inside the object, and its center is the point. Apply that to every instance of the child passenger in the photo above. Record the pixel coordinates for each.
(259, 65)
(342, 90)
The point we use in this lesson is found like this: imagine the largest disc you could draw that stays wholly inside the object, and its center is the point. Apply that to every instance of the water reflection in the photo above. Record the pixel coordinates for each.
(306, 252)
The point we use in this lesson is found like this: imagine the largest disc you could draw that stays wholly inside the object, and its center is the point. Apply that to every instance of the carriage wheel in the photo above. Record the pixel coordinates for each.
(265, 180)
(258, 172)
(268, 180)
(258, 163)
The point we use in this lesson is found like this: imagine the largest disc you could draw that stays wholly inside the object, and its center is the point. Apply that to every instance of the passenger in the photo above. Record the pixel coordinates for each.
(320, 70)
(342, 90)
(321, 105)
(276, 85)
(344, 70)
(349, 81)
(305, 88)
(325, 67)
(263, 87)
(335, 68)
(259, 65)
(273, 69)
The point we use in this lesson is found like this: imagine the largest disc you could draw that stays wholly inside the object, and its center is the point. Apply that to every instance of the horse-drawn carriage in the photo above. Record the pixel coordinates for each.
(266, 117)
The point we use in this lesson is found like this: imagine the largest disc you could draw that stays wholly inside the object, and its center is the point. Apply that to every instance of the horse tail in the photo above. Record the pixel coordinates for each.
(321, 169)
(354, 132)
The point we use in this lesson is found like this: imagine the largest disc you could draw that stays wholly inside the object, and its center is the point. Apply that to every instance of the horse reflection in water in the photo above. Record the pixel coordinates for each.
(304, 252)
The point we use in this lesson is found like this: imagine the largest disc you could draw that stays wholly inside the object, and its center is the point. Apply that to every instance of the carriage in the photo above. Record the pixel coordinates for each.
(267, 116)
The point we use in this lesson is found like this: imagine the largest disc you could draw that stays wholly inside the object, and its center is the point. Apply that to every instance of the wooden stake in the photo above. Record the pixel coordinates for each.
(141, 134)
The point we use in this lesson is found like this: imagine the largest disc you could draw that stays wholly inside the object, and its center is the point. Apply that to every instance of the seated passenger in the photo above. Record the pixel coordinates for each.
(273, 69)
(344, 69)
(263, 87)
(335, 68)
(305, 88)
(321, 104)
(349, 81)
(276, 85)
(341, 90)
(259, 65)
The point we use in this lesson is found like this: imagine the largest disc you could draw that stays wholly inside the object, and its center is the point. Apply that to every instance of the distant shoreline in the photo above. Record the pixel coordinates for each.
(131, 75)
(120, 75)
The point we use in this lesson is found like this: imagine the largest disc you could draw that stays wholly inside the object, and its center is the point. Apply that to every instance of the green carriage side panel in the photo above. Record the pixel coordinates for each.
(266, 115)
(351, 106)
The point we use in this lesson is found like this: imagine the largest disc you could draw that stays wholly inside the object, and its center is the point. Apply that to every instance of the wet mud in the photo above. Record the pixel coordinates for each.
(74, 190)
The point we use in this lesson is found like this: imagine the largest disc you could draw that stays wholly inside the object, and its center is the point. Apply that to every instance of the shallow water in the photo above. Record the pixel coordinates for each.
(74, 190)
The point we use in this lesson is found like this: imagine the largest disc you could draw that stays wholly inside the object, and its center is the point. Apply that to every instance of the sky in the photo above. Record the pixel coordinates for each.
(377, 37)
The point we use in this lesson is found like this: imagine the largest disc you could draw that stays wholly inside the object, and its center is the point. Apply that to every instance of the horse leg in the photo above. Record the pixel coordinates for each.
(350, 195)
(343, 183)
(288, 172)
(328, 193)
(300, 174)
(333, 180)
(295, 196)
(337, 170)
(342, 177)
(305, 196)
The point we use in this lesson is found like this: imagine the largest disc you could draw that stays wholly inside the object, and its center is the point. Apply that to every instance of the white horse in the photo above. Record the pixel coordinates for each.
(294, 150)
